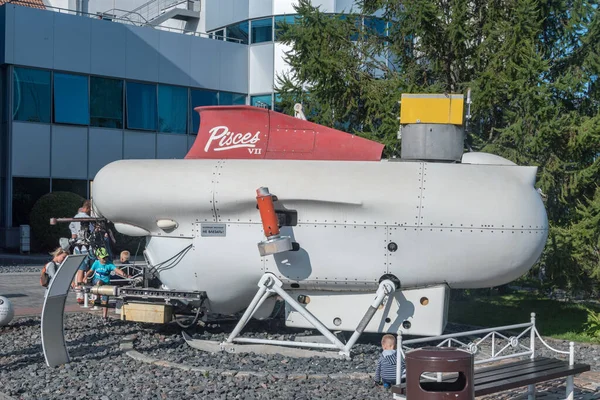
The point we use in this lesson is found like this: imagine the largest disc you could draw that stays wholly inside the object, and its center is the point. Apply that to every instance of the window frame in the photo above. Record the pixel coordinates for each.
(123, 106)
(239, 40)
(251, 24)
(126, 125)
(54, 120)
(158, 128)
(262, 95)
(12, 93)
(233, 94)
(191, 107)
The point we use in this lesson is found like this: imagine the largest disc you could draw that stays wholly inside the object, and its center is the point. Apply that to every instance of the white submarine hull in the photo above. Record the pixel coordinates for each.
(475, 224)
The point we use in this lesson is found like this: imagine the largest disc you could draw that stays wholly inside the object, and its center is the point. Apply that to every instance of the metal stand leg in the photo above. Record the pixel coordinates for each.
(570, 387)
(256, 302)
(530, 392)
(86, 303)
(307, 314)
(269, 284)
(385, 288)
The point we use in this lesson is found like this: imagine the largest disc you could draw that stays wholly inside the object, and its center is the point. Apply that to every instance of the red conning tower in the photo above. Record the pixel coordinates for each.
(245, 132)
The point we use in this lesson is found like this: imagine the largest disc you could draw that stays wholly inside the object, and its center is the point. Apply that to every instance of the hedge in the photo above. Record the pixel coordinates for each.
(45, 237)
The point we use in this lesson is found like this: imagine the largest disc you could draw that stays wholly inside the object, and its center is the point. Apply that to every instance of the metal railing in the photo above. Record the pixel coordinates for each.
(131, 17)
(150, 10)
(126, 21)
(520, 348)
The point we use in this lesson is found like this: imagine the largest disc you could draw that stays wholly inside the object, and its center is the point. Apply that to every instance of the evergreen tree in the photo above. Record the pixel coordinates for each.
(533, 68)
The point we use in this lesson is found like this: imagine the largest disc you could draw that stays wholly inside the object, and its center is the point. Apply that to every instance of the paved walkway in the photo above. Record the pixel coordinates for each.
(27, 295)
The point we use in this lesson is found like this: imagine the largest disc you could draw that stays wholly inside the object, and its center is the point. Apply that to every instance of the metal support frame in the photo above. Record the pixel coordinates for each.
(86, 300)
(270, 284)
(52, 326)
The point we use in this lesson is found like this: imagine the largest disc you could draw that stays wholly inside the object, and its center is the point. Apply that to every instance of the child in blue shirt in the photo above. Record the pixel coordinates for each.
(386, 365)
(101, 270)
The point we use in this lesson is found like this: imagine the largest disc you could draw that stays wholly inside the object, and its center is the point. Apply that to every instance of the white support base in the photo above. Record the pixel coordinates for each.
(270, 284)
(215, 347)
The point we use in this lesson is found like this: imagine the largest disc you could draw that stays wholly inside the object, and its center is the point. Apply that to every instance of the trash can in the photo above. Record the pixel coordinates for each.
(432, 360)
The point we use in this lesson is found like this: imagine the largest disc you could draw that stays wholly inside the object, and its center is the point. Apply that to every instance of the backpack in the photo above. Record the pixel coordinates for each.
(44, 277)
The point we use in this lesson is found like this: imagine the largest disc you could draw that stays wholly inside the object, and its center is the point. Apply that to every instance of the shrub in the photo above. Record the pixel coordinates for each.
(45, 237)
(592, 326)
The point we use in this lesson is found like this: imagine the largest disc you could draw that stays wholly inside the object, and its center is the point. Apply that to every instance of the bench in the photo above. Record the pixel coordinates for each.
(514, 371)
(512, 375)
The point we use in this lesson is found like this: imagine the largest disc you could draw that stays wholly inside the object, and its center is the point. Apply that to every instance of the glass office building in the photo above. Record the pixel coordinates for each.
(82, 88)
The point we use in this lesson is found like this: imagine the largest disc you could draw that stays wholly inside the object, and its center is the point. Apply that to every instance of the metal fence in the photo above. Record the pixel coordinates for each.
(503, 346)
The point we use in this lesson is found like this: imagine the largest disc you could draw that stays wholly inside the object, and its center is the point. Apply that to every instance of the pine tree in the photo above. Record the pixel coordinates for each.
(533, 68)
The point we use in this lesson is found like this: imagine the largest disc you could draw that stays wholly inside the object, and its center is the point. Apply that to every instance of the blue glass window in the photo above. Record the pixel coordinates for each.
(32, 95)
(278, 106)
(71, 100)
(172, 109)
(280, 20)
(200, 98)
(378, 25)
(141, 106)
(262, 30)
(238, 33)
(232, 99)
(357, 23)
(106, 102)
(263, 101)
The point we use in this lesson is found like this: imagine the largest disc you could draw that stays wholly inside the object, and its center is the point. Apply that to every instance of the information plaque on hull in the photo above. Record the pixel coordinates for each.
(213, 230)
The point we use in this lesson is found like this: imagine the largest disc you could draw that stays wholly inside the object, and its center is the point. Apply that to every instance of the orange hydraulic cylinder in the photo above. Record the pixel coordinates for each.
(267, 212)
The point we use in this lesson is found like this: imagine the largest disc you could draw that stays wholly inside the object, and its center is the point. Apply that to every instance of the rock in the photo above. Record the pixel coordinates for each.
(358, 375)
(296, 376)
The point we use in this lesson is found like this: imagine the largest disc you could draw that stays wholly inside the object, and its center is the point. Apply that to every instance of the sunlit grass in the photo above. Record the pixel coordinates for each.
(556, 319)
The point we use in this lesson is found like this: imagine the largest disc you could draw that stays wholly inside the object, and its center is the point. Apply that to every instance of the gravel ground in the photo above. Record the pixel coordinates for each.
(173, 348)
(364, 354)
(99, 370)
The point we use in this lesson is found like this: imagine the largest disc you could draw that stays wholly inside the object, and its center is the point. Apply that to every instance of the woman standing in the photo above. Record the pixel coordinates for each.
(58, 256)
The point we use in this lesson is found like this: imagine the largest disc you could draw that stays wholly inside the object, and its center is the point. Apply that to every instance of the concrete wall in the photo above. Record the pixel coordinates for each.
(261, 68)
(51, 40)
(76, 152)
(220, 13)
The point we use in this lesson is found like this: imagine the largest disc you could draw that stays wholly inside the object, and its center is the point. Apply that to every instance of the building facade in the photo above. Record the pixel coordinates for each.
(84, 84)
